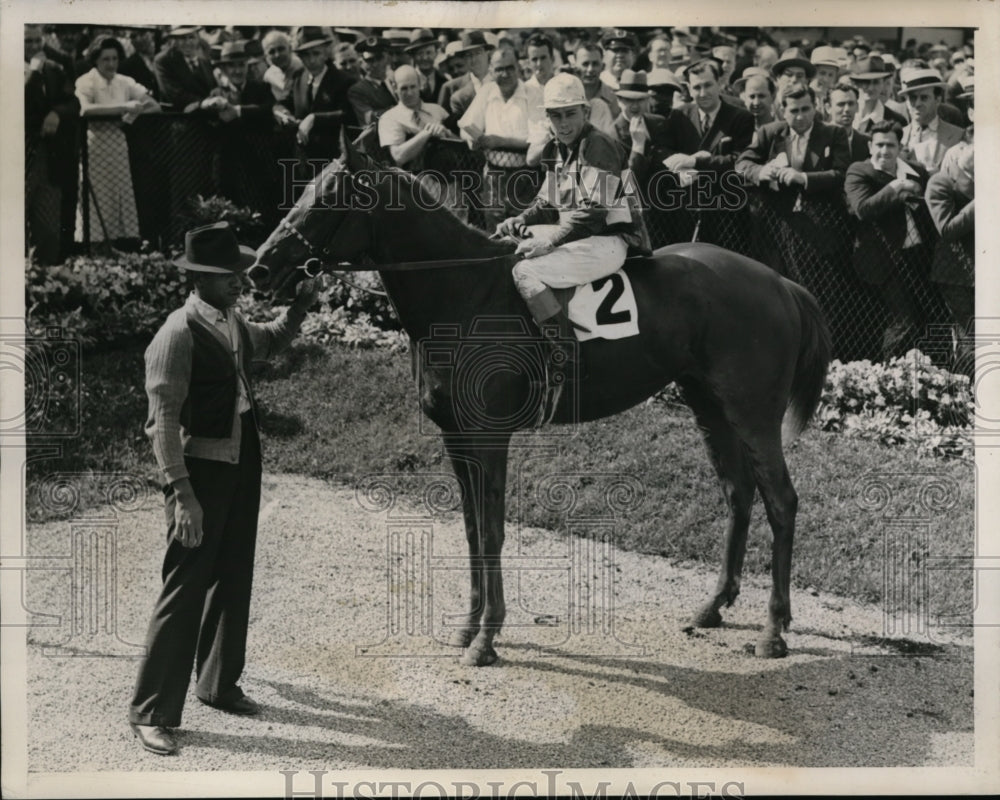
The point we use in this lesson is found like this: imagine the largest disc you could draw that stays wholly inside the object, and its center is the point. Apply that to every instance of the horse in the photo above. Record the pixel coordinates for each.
(748, 348)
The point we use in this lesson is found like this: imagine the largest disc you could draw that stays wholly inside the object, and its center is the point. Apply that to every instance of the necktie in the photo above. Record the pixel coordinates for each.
(798, 154)
(703, 119)
(912, 234)
(416, 119)
(392, 90)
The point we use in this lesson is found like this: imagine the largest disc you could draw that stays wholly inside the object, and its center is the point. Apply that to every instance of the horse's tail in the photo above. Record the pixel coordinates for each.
(815, 348)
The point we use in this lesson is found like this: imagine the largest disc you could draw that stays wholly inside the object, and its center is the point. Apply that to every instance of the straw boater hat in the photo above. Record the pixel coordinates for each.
(397, 38)
(562, 91)
(793, 57)
(214, 249)
(183, 30)
(750, 72)
(913, 79)
(632, 85)
(826, 56)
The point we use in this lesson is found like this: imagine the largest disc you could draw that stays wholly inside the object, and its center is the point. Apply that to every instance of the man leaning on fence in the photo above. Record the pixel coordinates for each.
(204, 431)
(184, 74)
(895, 234)
(504, 119)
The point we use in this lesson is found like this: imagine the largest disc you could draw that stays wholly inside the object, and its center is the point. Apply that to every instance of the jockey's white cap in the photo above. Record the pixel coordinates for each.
(564, 90)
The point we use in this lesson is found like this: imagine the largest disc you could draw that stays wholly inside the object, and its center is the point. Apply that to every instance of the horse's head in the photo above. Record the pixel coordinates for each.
(326, 225)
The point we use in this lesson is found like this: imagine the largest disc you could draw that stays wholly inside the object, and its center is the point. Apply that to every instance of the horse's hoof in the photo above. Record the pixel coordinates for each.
(771, 648)
(479, 657)
(708, 617)
(462, 637)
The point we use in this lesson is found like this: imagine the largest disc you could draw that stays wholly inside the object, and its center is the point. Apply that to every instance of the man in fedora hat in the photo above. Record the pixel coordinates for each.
(371, 96)
(203, 427)
(184, 74)
(457, 94)
(568, 236)
(664, 87)
(792, 67)
(869, 75)
(827, 61)
(423, 49)
(928, 137)
(248, 98)
(641, 134)
(319, 99)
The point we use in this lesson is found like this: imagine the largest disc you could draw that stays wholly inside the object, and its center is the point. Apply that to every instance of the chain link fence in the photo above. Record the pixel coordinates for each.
(173, 157)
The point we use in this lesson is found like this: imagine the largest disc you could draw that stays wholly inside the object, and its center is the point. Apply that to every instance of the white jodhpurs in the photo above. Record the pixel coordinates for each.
(571, 264)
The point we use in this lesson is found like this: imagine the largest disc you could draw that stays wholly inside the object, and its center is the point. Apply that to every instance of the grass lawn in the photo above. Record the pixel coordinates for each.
(342, 414)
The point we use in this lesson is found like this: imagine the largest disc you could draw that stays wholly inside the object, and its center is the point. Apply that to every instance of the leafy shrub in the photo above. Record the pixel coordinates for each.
(247, 223)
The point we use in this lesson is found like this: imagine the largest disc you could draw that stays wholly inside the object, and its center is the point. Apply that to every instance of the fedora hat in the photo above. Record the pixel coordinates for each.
(421, 37)
(311, 37)
(826, 56)
(793, 57)
(662, 81)
(471, 40)
(632, 85)
(913, 79)
(751, 72)
(870, 68)
(397, 38)
(183, 30)
(232, 52)
(214, 249)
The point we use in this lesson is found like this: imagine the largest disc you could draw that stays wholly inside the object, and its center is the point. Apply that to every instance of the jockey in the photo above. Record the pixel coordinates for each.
(580, 226)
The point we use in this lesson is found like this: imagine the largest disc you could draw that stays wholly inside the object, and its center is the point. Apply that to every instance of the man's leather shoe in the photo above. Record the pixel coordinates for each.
(155, 739)
(244, 706)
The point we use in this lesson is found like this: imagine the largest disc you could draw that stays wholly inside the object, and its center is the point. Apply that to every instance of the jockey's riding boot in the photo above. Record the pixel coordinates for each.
(560, 361)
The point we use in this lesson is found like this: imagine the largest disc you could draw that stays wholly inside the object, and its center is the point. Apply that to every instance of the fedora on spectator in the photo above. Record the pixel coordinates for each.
(662, 81)
(620, 39)
(794, 57)
(348, 34)
(183, 30)
(421, 37)
(750, 72)
(632, 85)
(214, 248)
(869, 69)
(913, 79)
(373, 44)
(826, 56)
(232, 52)
(310, 38)
(398, 38)
(678, 55)
(254, 50)
(471, 40)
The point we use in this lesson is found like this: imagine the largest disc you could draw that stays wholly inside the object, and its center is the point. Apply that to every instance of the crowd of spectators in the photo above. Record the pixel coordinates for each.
(845, 151)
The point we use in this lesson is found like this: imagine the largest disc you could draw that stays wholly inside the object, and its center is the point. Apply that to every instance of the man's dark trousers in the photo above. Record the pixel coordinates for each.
(204, 607)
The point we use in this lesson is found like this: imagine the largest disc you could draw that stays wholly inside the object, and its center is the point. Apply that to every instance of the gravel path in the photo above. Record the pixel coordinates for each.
(635, 693)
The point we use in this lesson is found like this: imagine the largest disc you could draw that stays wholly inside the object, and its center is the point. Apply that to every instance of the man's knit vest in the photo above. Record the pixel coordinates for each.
(214, 387)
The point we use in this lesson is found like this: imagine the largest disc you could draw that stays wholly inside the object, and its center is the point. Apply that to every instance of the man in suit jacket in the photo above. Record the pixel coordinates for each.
(140, 65)
(185, 76)
(895, 234)
(249, 99)
(706, 135)
(457, 95)
(870, 74)
(927, 138)
(641, 134)
(423, 49)
(372, 96)
(843, 102)
(799, 163)
(319, 100)
(51, 112)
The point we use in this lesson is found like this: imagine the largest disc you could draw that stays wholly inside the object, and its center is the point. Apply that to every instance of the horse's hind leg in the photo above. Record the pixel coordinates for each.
(732, 465)
(781, 503)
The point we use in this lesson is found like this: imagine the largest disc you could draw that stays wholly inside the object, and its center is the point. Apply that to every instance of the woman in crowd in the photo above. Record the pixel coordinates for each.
(109, 99)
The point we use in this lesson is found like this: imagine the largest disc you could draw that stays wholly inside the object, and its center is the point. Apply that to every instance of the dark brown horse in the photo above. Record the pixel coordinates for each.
(749, 349)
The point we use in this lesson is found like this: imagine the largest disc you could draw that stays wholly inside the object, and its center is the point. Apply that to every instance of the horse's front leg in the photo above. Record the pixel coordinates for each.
(483, 474)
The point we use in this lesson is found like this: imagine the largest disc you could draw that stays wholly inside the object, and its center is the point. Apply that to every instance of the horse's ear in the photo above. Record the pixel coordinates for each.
(354, 159)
